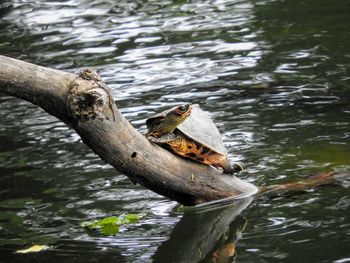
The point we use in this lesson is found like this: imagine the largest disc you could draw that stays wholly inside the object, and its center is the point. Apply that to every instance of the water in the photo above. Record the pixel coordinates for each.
(274, 76)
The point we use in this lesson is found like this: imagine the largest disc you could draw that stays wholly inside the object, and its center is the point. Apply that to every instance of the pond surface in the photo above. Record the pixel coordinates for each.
(273, 75)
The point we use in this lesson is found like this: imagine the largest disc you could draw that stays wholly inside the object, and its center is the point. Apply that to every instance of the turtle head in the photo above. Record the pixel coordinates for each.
(168, 122)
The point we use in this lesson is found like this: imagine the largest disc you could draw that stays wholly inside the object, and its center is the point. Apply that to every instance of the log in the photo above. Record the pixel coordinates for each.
(86, 104)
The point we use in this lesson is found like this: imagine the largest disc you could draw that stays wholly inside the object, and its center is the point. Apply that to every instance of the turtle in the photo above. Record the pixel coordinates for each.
(188, 131)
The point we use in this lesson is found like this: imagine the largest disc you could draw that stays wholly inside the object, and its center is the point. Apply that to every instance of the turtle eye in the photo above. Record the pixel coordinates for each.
(182, 108)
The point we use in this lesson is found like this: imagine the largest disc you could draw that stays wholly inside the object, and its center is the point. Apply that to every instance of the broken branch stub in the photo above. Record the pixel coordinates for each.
(90, 98)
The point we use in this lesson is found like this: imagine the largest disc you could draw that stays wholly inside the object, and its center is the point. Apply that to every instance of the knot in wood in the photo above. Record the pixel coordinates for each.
(89, 97)
(90, 74)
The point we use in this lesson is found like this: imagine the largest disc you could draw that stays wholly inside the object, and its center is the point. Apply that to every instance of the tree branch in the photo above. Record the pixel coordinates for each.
(86, 104)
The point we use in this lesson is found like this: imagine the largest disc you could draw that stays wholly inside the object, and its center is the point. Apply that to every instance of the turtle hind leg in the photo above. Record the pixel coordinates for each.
(232, 168)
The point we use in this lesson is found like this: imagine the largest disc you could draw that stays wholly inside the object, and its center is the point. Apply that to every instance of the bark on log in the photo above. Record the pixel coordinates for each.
(86, 104)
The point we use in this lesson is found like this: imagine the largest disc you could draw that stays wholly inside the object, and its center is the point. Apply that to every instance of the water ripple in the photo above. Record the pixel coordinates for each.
(271, 76)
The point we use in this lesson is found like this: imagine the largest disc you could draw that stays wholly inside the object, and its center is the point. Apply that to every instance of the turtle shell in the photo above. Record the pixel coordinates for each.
(200, 128)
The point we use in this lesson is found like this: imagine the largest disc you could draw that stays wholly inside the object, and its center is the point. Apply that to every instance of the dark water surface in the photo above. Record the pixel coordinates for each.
(275, 77)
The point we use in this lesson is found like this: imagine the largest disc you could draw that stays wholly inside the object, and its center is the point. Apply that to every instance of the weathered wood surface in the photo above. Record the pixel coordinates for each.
(86, 105)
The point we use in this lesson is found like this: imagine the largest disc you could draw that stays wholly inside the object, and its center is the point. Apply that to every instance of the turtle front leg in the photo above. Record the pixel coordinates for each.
(162, 139)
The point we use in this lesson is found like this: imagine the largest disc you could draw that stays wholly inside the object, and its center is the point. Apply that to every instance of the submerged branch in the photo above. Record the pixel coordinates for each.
(307, 183)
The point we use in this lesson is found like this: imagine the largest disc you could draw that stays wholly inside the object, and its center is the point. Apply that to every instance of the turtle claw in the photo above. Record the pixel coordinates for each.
(235, 168)
(152, 139)
(238, 167)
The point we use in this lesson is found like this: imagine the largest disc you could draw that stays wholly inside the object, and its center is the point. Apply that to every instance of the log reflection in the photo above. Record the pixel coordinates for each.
(205, 234)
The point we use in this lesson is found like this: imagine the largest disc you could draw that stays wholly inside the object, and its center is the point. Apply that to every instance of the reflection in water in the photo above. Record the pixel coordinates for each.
(273, 75)
(205, 233)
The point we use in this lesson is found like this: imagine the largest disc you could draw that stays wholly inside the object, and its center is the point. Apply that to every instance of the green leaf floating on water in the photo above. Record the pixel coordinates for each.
(109, 229)
(130, 218)
(110, 225)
